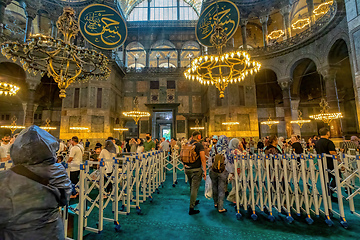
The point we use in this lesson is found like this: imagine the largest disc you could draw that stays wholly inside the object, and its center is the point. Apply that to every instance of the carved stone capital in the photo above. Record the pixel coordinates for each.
(31, 8)
(285, 11)
(285, 83)
(328, 72)
(33, 81)
(264, 19)
(243, 21)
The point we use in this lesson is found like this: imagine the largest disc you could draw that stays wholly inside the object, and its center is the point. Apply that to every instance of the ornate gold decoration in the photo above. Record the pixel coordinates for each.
(269, 122)
(197, 127)
(324, 114)
(221, 69)
(8, 89)
(59, 58)
(300, 121)
(322, 8)
(301, 23)
(47, 126)
(276, 34)
(136, 114)
(13, 125)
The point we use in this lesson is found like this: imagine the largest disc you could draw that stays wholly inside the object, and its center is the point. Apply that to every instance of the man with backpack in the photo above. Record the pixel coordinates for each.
(193, 156)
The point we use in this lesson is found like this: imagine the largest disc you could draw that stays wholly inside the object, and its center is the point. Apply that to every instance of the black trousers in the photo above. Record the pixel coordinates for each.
(74, 177)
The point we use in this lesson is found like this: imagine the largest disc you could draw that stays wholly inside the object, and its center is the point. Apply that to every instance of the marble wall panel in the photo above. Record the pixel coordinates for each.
(142, 86)
(97, 124)
(196, 104)
(184, 104)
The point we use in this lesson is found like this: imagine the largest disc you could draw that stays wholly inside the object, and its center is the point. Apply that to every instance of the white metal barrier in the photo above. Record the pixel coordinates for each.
(173, 163)
(133, 180)
(296, 184)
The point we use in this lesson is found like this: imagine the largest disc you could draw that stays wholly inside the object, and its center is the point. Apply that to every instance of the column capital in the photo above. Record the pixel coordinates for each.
(31, 8)
(295, 104)
(285, 11)
(243, 21)
(33, 81)
(264, 19)
(285, 83)
(328, 71)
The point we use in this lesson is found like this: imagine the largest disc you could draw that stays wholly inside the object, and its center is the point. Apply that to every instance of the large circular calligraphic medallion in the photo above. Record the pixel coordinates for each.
(224, 12)
(102, 26)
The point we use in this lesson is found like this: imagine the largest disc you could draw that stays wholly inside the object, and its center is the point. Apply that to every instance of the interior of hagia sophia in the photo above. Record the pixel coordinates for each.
(160, 45)
(309, 52)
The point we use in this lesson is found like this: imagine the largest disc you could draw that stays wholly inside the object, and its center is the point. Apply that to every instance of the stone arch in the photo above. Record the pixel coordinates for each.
(163, 51)
(163, 42)
(290, 67)
(338, 60)
(328, 47)
(135, 52)
(189, 51)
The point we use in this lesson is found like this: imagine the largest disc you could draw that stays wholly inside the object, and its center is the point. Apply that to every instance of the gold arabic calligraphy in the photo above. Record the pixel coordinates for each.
(211, 18)
(100, 24)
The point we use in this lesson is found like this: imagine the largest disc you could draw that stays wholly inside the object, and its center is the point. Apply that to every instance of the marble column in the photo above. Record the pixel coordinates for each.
(53, 29)
(147, 58)
(329, 76)
(295, 114)
(179, 58)
(310, 6)
(285, 12)
(285, 87)
(243, 23)
(29, 106)
(264, 22)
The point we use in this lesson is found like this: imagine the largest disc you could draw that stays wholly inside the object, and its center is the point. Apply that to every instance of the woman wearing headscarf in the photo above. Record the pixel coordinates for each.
(280, 144)
(33, 189)
(272, 147)
(235, 148)
(107, 155)
(219, 178)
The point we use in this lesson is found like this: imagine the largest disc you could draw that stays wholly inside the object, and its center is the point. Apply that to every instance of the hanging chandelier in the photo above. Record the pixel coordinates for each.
(300, 121)
(269, 122)
(136, 114)
(230, 123)
(59, 58)
(221, 69)
(13, 127)
(79, 128)
(8, 89)
(197, 127)
(324, 115)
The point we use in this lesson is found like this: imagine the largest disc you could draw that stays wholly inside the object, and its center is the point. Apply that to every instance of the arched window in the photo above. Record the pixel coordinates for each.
(163, 54)
(136, 55)
(189, 51)
(160, 10)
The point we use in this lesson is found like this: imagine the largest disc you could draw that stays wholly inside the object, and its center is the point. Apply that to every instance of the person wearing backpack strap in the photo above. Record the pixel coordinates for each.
(218, 172)
(195, 170)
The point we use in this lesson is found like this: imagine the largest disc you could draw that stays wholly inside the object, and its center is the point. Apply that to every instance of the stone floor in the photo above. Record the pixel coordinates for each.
(167, 218)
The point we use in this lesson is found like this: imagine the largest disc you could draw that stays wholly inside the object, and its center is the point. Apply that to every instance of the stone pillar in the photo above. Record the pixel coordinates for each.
(294, 113)
(53, 29)
(30, 106)
(243, 23)
(285, 87)
(310, 6)
(329, 76)
(179, 58)
(264, 22)
(147, 58)
(285, 12)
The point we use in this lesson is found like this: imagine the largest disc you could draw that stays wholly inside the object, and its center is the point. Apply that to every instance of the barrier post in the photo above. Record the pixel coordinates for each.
(337, 168)
(81, 202)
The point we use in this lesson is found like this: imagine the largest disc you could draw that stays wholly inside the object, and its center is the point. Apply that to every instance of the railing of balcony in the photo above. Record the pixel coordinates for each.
(308, 33)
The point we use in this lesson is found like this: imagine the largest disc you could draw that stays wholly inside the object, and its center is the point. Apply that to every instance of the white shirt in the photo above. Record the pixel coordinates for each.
(165, 146)
(108, 158)
(117, 149)
(6, 147)
(140, 149)
(2, 153)
(76, 153)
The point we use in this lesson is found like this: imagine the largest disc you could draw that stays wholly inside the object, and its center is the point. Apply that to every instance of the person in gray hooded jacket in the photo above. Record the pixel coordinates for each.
(29, 209)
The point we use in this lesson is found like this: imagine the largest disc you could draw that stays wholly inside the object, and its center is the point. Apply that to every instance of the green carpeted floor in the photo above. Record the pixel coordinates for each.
(167, 218)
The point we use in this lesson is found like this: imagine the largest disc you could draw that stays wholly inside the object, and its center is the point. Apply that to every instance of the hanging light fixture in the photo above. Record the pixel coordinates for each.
(59, 58)
(136, 114)
(300, 121)
(269, 122)
(121, 129)
(79, 128)
(276, 34)
(13, 127)
(230, 123)
(221, 69)
(8, 89)
(324, 114)
(197, 127)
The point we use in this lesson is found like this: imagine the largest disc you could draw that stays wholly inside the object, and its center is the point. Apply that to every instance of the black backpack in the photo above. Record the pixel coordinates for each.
(218, 165)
